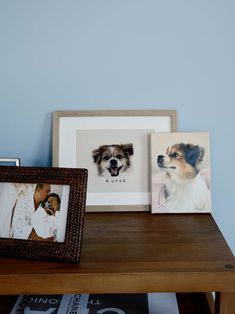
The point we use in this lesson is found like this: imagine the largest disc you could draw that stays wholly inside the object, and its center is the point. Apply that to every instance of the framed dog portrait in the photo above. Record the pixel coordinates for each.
(115, 148)
(9, 161)
(41, 212)
(181, 180)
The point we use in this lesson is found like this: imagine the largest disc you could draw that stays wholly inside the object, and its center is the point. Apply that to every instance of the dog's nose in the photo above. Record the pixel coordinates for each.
(113, 162)
(160, 159)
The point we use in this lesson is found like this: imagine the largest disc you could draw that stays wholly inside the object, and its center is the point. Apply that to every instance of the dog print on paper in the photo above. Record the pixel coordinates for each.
(113, 160)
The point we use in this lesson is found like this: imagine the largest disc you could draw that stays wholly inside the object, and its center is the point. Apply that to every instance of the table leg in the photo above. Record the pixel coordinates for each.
(227, 302)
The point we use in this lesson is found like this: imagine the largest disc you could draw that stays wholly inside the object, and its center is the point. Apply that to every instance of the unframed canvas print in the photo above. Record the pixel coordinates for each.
(180, 171)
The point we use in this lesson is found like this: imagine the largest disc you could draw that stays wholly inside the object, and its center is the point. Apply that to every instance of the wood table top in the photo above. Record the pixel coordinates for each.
(132, 252)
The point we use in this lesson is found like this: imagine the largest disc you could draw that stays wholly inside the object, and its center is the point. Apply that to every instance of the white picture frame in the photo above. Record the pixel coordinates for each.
(9, 161)
(110, 126)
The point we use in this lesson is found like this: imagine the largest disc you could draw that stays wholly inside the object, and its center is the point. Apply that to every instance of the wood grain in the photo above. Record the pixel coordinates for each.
(132, 252)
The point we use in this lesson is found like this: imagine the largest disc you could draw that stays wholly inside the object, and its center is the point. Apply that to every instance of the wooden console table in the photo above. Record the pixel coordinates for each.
(135, 252)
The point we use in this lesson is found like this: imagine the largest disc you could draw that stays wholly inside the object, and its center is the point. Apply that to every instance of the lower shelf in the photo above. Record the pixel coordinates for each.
(188, 303)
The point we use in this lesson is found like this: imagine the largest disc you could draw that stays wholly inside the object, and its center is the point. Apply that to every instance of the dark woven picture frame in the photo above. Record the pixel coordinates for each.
(68, 250)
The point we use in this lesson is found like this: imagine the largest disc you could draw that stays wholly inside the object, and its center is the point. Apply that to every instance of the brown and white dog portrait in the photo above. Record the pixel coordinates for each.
(184, 189)
(113, 159)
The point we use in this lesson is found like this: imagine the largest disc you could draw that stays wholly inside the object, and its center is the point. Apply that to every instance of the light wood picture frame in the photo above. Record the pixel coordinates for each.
(78, 136)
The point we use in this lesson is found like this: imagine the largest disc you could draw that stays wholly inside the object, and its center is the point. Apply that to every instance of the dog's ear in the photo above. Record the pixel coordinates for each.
(194, 154)
(96, 154)
(128, 149)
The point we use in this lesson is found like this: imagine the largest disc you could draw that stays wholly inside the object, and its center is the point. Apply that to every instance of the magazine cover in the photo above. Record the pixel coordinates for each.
(151, 303)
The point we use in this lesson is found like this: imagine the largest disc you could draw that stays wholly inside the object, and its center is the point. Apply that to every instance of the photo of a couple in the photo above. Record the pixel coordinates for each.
(33, 211)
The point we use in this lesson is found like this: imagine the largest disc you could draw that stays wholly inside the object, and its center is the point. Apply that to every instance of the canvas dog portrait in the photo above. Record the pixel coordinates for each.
(112, 160)
(180, 173)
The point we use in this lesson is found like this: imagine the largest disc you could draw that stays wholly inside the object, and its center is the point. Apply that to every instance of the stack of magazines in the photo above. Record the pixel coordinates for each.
(144, 303)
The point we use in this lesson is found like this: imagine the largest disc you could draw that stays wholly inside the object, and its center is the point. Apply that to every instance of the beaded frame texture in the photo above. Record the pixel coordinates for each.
(69, 250)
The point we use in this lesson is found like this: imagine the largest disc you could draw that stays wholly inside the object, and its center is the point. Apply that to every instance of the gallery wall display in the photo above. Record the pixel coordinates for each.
(42, 212)
(115, 148)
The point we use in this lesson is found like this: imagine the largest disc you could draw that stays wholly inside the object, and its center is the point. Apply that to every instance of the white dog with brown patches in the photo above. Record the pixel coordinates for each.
(183, 189)
(112, 160)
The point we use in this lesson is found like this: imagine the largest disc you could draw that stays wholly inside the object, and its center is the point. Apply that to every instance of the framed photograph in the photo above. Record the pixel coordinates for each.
(42, 212)
(181, 180)
(9, 161)
(115, 148)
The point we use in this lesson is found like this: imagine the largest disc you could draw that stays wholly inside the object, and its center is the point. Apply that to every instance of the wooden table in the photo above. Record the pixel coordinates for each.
(135, 252)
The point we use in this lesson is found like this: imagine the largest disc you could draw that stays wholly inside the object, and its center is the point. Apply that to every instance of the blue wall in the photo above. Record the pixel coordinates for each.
(152, 54)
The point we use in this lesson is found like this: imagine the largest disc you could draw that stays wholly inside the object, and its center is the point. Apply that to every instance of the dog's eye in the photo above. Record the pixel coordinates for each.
(119, 156)
(106, 157)
(174, 155)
